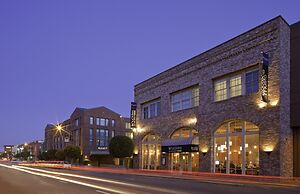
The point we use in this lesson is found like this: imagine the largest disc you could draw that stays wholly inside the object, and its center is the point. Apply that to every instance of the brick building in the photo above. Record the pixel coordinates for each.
(35, 148)
(89, 128)
(226, 110)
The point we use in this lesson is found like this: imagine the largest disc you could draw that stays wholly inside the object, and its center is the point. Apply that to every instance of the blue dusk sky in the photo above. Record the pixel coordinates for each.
(57, 55)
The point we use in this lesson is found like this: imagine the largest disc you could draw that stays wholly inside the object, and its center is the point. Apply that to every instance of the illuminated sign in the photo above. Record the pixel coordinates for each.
(133, 115)
(264, 79)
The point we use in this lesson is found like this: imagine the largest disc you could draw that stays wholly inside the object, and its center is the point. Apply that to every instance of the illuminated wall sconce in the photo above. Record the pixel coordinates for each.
(274, 103)
(262, 104)
(268, 149)
(192, 121)
(204, 151)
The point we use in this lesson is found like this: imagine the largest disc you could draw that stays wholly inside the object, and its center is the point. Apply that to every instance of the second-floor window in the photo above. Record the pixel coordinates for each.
(236, 86)
(97, 121)
(104, 122)
(77, 122)
(251, 82)
(220, 90)
(113, 123)
(151, 109)
(91, 120)
(185, 99)
(231, 86)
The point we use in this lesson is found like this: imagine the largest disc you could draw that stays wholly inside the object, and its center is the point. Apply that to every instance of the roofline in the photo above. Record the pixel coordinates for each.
(157, 75)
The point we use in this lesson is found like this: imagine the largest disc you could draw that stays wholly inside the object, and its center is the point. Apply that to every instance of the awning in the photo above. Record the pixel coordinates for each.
(180, 145)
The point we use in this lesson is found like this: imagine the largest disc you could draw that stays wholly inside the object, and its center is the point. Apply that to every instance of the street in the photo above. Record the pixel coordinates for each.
(24, 180)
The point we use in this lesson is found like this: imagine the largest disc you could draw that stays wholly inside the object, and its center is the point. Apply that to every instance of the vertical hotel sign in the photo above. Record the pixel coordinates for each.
(133, 115)
(264, 79)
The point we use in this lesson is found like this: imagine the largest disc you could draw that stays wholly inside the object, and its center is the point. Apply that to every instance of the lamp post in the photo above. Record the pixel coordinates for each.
(60, 129)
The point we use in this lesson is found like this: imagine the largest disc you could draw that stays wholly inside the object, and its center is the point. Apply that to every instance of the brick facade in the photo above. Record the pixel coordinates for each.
(240, 53)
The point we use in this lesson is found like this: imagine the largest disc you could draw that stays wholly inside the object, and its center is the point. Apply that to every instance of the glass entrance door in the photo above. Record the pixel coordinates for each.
(184, 161)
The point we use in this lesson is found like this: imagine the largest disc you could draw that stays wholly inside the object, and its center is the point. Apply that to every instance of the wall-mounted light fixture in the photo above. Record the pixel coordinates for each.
(204, 151)
(268, 149)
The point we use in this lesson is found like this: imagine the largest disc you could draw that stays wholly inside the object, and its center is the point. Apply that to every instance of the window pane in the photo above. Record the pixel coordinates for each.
(220, 154)
(252, 154)
(220, 90)
(252, 80)
(235, 86)
(235, 154)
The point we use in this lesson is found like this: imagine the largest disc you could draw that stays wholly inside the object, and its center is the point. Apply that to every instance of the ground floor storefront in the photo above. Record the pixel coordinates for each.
(236, 147)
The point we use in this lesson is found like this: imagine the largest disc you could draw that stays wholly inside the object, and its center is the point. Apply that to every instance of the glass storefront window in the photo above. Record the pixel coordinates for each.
(220, 154)
(252, 154)
(151, 149)
(237, 148)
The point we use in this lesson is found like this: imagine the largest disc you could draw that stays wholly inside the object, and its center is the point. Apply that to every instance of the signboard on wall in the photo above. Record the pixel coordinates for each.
(264, 79)
(133, 115)
(180, 148)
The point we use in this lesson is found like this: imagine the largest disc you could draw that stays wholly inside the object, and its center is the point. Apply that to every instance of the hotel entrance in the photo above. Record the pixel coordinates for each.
(182, 150)
(185, 161)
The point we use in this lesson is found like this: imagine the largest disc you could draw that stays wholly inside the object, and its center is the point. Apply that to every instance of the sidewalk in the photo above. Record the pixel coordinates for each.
(217, 178)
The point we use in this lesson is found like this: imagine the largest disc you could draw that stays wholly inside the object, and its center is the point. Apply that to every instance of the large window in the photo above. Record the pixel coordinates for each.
(104, 122)
(151, 149)
(232, 86)
(113, 123)
(252, 84)
(102, 138)
(185, 99)
(236, 149)
(151, 109)
(97, 121)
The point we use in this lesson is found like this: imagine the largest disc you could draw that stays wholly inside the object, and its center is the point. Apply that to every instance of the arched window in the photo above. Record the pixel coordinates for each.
(236, 149)
(151, 149)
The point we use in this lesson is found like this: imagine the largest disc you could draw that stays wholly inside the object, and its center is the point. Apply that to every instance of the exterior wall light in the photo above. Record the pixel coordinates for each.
(268, 149)
(274, 103)
(192, 121)
(204, 151)
(262, 104)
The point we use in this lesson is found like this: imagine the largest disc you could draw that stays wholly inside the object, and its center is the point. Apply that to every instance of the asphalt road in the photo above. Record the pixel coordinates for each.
(22, 180)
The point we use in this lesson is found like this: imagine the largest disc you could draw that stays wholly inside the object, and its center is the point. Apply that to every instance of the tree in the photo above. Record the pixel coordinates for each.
(50, 154)
(121, 147)
(72, 152)
(60, 155)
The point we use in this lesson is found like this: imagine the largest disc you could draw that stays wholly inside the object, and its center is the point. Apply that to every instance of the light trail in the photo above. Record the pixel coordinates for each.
(68, 180)
(143, 187)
